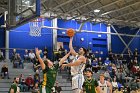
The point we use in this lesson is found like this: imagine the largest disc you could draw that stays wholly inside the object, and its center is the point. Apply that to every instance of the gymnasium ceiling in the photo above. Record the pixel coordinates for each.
(116, 12)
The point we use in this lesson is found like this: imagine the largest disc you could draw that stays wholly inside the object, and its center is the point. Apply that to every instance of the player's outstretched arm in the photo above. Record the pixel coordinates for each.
(63, 59)
(12, 91)
(76, 63)
(71, 47)
(39, 58)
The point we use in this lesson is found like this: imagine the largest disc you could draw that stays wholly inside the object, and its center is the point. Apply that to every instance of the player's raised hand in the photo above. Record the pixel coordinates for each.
(37, 51)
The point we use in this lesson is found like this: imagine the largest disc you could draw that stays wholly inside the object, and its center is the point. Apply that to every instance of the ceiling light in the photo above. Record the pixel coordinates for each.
(27, 2)
(96, 10)
(23, 0)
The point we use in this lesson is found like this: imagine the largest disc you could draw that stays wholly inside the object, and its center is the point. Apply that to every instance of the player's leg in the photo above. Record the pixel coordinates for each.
(76, 91)
(45, 90)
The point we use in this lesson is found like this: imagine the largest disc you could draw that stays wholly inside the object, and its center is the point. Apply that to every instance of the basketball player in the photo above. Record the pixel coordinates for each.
(14, 87)
(77, 67)
(49, 72)
(90, 85)
(106, 86)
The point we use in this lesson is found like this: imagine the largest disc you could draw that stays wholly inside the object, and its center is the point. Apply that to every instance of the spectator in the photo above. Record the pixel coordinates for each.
(36, 64)
(14, 87)
(13, 55)
(129, 57)
(58, 89)
(41, 54)
(90, 51)
(4, 72)
(135, 53)
(130, 65)
(23, 86)
(59, 56)
(36, 77)
(110, 55)
(17, 62)
(127, 89)
(26, 56)
(113, 73)
(115, 59)
(29, 82)
(32, 56)
(109, 68)
(121, 59)
(45, 52)
(120, 86)
(20, 78)
(1, 55)
(100, 61)
(95, 65)
(107, 62)
(114, 67)
(134, 69)
(36, 88)
(106, 74)
(133, 84)
(20, 61)
(88, 63)
(61, 51)
(115, 83)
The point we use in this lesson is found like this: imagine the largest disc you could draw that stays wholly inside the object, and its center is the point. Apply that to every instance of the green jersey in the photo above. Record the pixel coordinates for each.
(90, 85)
(49, 76)
(13, 86)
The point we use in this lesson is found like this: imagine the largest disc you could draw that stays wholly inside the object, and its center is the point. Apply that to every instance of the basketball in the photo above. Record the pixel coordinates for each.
(70, 32)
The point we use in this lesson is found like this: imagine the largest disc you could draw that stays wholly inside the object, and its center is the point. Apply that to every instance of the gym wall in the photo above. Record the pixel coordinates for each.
(118, 46)
(2, 33)
(96, 42)
(20, 38)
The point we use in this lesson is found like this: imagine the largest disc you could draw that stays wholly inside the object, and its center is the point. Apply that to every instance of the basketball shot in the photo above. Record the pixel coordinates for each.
(70, 32)
(77, 65)
(49, 72)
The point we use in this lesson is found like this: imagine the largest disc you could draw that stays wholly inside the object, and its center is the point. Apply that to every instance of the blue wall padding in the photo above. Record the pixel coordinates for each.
(2, 33)
(135, 43)
(117, 45)
(20, 38)
(97, 45)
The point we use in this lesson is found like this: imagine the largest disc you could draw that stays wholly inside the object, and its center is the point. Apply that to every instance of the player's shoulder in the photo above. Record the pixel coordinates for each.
(108, 83)
(82, 58)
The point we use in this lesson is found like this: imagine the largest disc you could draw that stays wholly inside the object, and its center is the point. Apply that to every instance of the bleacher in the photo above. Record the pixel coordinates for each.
(28, 69)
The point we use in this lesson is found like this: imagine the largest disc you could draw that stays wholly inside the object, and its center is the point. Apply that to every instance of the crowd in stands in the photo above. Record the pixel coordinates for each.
(121, 71)
(31, 82)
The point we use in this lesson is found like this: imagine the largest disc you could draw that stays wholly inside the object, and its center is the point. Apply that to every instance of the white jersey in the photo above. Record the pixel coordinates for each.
(104, 88)
(78, 78)
(77, 69)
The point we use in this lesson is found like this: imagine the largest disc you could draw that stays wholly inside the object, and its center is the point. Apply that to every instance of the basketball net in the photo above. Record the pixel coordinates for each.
(35, 27)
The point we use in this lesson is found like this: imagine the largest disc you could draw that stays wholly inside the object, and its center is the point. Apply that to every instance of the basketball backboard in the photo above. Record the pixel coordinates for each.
(22, 11)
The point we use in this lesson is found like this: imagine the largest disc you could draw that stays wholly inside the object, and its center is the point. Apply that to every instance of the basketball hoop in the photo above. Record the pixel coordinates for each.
(35, 26)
